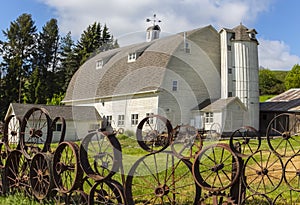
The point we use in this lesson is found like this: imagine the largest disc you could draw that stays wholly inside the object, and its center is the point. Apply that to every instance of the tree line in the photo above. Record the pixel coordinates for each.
(36, 67)
(276, 82)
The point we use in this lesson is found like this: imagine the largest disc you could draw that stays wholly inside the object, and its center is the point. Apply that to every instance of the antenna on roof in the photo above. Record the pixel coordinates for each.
(153, 20)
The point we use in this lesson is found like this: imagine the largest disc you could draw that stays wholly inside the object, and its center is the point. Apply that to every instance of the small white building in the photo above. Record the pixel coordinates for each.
(79, 120)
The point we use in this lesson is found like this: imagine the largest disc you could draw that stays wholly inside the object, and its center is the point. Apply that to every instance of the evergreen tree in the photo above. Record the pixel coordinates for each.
(17, 54)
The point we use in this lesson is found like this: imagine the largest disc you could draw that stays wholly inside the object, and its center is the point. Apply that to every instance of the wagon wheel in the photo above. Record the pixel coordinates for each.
(154, 133)
(245, 141)
(215, 132)
(67, 172)
(283, 135)
(216, 198)
(100, 155)
(161, 178)
(58, 127)
(291, 173)
(107, 192)
(263, 172)
(257, 199)
(186, 141)
(77, 197)
(36, 132)
(40, 175)
(289, 197)
(216, 167)
(11, 132)
(17, 172)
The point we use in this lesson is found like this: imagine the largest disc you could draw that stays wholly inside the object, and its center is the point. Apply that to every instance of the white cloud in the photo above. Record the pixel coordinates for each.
(126, 20)
(275, 55)
(127, 16)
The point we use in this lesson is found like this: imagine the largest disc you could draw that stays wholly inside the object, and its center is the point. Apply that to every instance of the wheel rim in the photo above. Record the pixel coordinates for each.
(107, 192)
(292, 173)
(154, 133)
(216, 167)
(263, 172)
(11, 132)
(245, 141)
(41, 175)
(283, 135)
(17, 172)
(67, 172)
(100, 155)
(156, 179)
(36, 132)
(186, 142)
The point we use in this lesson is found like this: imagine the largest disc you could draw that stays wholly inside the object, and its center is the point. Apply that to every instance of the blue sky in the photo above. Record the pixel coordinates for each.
(274, 20)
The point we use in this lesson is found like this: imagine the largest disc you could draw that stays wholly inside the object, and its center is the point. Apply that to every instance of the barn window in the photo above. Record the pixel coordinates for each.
(99, 64)
(209, 117)
(58, 127)
(131, 57)
(174, 85)
(109, 120)
(134, 119)
(121, 120)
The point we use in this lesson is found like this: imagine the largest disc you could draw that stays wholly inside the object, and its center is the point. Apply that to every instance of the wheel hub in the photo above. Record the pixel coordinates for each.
(161, 190)
(218, 167)
(286, 135)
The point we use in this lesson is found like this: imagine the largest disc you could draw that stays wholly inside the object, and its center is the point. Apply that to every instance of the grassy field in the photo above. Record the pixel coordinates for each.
(164, 168)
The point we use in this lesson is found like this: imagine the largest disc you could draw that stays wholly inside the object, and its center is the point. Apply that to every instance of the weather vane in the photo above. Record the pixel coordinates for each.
(153, 20)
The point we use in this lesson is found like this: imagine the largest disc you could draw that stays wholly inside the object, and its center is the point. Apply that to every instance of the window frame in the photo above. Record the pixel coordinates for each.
(121, 120)
(134, 119)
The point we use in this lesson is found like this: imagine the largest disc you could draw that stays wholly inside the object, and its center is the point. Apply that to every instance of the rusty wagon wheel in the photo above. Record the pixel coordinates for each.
(17, 172)
(107, 191)
(216, 167)
(289, 197)
(263, 172)
(40, 175)
(36, 134)
(100, 155)
(154, 133)
(186, 142)
(245, 141)
(161, 178)
(67, 172)
(11, 132)
(291, 173)
(283, 135)
(257, 199)
(58, 127)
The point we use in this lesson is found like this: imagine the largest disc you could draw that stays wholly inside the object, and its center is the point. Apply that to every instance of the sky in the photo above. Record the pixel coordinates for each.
(275, 21)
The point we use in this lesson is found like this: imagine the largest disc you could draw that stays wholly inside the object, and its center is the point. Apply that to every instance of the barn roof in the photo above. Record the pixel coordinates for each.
(120, 77)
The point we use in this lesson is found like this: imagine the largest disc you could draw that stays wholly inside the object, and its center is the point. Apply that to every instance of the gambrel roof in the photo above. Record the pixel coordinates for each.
(119, 77)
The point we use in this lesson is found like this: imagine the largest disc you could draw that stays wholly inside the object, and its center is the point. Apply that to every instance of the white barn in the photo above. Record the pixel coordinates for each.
(173, 76)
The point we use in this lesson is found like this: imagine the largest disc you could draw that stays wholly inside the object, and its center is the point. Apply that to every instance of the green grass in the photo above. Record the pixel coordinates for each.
(264, 98)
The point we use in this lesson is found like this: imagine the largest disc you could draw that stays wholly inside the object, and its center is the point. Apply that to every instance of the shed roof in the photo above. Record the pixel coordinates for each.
(68, 112)
(222, 104)
(284, 102)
